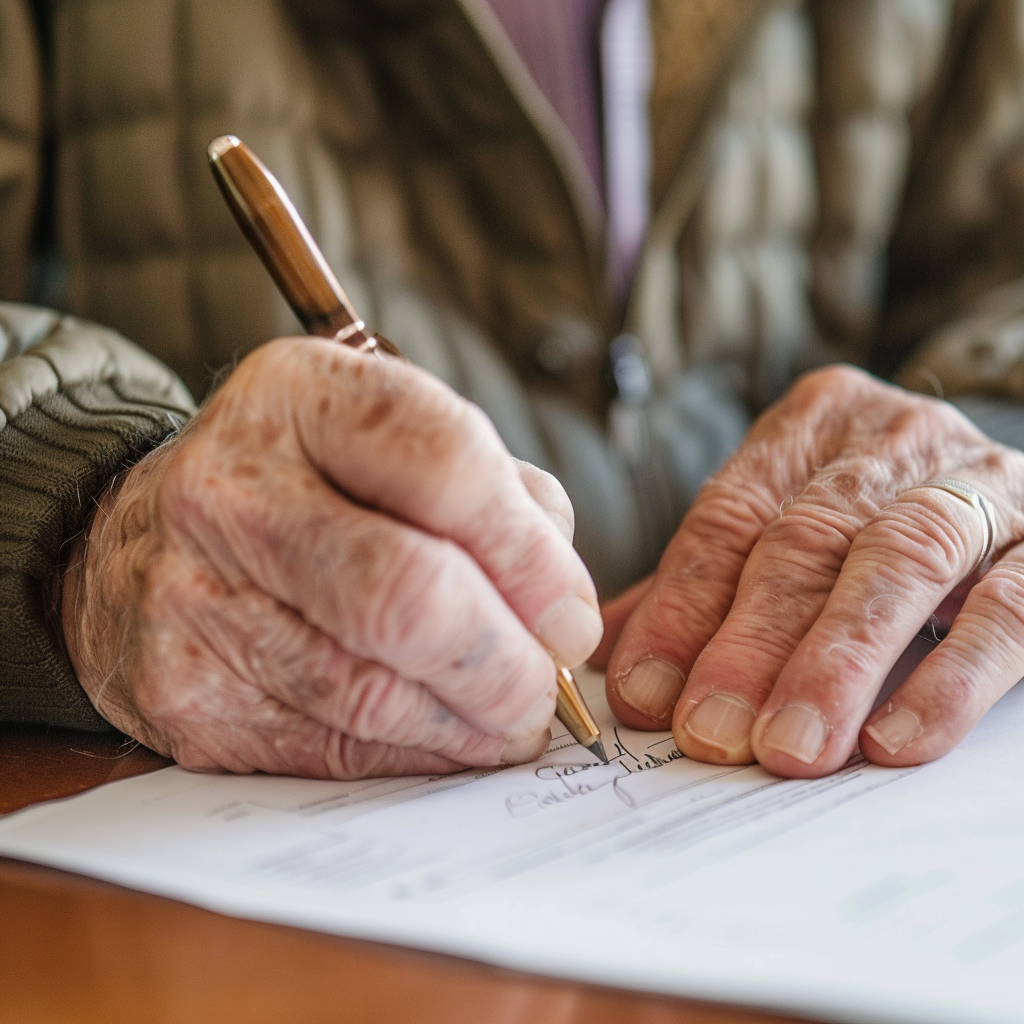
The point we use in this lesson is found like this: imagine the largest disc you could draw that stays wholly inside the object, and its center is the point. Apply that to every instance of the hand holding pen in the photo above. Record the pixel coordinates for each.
(336, 570)
(275, 230)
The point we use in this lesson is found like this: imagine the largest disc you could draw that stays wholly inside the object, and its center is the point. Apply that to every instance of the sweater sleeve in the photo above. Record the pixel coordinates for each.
(78, 404)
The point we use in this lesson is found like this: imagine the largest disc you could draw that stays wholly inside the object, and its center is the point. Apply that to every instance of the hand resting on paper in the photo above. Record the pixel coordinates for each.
(336, 570)
(804, 569)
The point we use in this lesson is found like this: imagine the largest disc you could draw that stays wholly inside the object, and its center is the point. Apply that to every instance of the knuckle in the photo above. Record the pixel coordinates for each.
(364, 575)
(192, 758)
(836, 377)
(826, 384)
(484, 750)
(408, 586)
(754, 639)
(670, 614)
(1006, 465)
(964, 693)
(525, 550)
(272, 646)
(320, 671)
(851, 655)
(784, 599)
(419, 421)
(850, 487)
(547, 490)
(999, 598)
(378, 706)
(924, 538)
(731, 517)
(348, 759)
(811, 538)
(924, 422)
(920, 434)
(970, 696)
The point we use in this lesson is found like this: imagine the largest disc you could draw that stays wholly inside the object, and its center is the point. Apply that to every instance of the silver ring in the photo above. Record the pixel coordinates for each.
(970, 495)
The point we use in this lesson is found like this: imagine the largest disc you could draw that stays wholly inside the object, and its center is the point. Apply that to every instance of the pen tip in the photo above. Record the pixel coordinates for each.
(597, 749)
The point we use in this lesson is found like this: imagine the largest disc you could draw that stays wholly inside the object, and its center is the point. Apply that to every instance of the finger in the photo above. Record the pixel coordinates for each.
(686, 602)
(904, 562)
(980, 659)
(546, 490)
(415, 603)
(275, 649)
(699, 572)
(221, 722)
(781, 592)
(261, 734)
(616, 614)
(414, 448)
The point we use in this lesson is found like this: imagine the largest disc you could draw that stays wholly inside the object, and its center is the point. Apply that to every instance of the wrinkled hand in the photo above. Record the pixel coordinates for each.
(804, 569)
(336, 570)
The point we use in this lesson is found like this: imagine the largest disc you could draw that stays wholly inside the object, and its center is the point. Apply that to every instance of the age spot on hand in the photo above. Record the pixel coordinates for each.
(270, 431)
(481, 649)
(377, 413)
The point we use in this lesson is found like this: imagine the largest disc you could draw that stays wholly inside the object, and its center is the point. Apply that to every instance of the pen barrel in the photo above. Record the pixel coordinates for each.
(276, 231)
(572, 711)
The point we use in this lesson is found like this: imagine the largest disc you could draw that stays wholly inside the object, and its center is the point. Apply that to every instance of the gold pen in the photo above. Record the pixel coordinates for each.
(272, 225)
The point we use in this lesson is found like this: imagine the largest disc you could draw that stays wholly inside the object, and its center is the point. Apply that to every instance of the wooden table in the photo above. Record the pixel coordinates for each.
(74, 949)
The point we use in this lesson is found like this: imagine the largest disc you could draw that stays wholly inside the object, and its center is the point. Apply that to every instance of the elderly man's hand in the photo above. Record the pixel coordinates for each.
(803, 570)
(338, 571)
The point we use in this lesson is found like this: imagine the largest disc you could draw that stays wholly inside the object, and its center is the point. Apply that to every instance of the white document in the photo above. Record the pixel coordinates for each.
(871, 895)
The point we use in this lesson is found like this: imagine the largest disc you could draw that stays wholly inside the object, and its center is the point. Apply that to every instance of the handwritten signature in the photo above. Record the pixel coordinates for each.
(522, 805)
(648, 759)
(577, 780)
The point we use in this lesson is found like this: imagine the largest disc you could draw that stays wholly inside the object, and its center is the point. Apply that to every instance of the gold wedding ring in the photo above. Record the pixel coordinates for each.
(971, 496)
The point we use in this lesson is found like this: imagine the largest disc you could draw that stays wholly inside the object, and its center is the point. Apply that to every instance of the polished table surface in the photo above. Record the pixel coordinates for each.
(74, 949)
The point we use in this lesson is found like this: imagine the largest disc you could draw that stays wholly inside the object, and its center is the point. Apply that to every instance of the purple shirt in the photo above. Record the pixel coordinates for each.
(559, 42)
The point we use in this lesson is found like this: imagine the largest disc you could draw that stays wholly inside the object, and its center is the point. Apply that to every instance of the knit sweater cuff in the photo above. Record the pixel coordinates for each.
(78, 406)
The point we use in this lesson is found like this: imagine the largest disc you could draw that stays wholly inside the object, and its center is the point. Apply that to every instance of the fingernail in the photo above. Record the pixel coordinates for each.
(722, 721)
(652, 687)
(570, 629)
(521, 749)
(893, 732)
(798, 730)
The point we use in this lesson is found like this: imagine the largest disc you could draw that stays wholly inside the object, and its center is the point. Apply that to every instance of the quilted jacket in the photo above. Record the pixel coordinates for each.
(831, 180)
